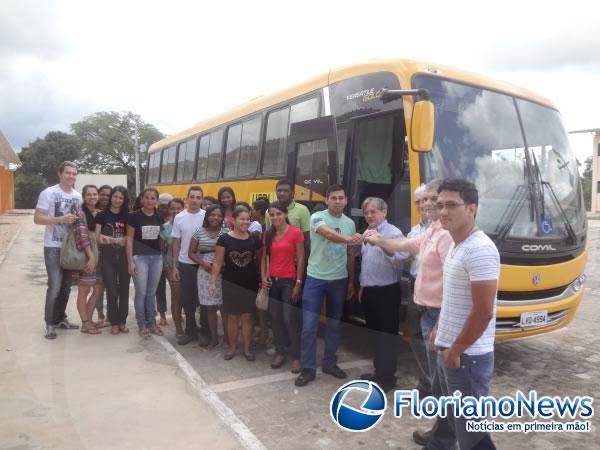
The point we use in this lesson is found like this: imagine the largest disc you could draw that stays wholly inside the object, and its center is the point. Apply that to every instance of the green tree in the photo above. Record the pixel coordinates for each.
(27, 189)
(40, 160)
(43, 156)
(586, 183)
(107, 141)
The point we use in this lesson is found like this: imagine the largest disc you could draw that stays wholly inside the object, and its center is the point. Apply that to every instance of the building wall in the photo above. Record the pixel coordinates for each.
(7, 190)
(596, 174)
(99, 180)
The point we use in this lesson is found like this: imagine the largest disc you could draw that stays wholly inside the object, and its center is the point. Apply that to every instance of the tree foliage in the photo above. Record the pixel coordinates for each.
(27, 189)
(43, 155)
(586, 183)
(39, 162)
(107, 141)
(101, 143)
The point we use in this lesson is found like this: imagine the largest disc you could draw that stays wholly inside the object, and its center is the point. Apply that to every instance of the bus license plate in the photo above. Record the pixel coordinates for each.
(534, 319)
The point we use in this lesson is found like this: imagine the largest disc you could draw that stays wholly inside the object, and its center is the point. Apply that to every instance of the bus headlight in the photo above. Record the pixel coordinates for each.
(576, 285)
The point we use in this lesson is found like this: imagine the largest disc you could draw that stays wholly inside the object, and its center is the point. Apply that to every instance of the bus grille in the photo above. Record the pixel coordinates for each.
(531, 295)
(513, 324)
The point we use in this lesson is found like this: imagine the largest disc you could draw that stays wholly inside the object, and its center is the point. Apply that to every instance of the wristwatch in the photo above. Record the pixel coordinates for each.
(298, 281)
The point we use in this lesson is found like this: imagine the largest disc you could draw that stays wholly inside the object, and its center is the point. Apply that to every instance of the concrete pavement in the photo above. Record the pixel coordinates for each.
(94, 392)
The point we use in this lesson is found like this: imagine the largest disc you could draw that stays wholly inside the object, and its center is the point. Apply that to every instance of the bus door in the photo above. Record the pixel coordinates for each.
(377, 166)
(312, 159)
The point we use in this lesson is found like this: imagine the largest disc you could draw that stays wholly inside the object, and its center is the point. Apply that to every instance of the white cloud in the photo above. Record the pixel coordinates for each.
(176, 63)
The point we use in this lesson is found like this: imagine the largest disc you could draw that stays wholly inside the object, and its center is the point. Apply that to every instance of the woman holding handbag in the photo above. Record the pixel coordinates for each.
(239, 252)
(90, 276)
(282, 269)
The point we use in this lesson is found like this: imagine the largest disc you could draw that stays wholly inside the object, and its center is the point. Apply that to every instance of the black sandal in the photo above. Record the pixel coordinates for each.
(228, 356)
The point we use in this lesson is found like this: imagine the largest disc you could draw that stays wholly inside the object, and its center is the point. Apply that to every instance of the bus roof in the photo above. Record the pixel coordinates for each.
(403, 68)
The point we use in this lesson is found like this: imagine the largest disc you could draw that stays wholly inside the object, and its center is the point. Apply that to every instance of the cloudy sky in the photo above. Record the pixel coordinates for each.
(177, 62)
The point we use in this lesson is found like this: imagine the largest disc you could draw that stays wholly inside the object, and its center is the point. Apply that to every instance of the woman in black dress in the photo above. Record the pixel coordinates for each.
(239, 252)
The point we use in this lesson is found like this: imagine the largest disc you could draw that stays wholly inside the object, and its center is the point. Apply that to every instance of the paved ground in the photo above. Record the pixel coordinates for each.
(84, 398)
(82, 391)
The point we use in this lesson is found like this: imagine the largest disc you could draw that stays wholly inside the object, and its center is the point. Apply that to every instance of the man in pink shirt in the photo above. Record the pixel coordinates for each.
(431, 247)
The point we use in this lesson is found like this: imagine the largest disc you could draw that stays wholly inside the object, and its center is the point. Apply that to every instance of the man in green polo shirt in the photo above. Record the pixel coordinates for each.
(330, 275)
(298, 214)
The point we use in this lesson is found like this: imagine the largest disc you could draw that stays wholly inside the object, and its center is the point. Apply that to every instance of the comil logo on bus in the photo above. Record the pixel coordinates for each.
(538, 248)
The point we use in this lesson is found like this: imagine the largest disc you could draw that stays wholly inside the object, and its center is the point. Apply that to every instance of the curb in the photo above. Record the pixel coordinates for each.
(239, 429)
(10, 245)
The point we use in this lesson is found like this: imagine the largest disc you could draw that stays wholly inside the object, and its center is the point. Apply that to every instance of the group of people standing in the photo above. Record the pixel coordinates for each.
(216, 253)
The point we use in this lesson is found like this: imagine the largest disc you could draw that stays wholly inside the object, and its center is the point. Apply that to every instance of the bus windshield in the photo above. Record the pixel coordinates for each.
(517, 154)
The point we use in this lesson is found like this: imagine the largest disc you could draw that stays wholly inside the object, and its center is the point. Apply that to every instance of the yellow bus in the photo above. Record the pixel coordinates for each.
(382, 128)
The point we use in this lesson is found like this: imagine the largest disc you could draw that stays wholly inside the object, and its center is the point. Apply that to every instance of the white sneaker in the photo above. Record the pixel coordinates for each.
(50, 332)
(66, 325)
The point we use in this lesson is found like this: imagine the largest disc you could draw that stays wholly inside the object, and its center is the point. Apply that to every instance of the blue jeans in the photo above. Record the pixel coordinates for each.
(149, 269)
(285, 317)
(100, 302)
(312, 299)
(471, 378)
(59, 287)
(429, 318)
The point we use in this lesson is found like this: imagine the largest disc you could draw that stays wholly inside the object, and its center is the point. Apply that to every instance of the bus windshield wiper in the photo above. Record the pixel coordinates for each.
(526, 190)
(511, 212)
(563, 215)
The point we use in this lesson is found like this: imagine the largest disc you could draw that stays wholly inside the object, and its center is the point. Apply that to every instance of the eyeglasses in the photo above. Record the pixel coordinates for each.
(448, 205)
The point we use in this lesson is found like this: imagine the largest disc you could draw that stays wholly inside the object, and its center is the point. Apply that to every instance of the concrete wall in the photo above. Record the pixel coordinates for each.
(595, 207)
(7, 190)
(99, 180)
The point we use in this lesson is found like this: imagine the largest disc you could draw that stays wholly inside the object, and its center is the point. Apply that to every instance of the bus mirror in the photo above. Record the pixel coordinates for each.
(422, 126)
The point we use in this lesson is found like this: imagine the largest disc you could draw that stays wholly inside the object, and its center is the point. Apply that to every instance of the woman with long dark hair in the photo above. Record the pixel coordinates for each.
(239, 252)
(226, 198)
(144, 260)
(111, 229)
(103, 198)
(282, 268)
(176, 205)
(90, 276)
(202, 252)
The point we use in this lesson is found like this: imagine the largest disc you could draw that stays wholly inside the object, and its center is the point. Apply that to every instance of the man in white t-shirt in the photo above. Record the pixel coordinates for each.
(465, 333)
(57, 209)
(185, 225)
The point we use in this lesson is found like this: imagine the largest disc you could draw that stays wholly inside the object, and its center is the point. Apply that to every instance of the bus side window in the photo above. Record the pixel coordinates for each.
(213, 169)
(249, 147)
(274, 156)
(202, 158)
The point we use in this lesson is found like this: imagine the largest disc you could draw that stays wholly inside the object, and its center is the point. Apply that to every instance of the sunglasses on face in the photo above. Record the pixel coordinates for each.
(449, 206)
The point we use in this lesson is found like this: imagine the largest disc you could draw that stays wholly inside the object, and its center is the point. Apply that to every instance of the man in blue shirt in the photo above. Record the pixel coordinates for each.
(380, 293)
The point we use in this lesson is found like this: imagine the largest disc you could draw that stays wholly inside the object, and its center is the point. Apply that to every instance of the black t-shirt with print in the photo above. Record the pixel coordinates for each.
(240, 265)
(111, 224)
(147, 231)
